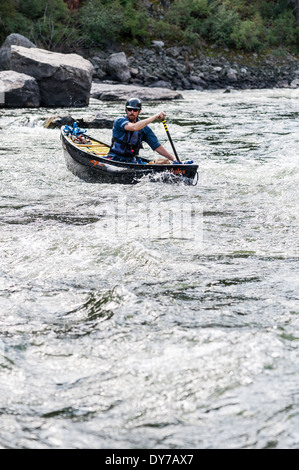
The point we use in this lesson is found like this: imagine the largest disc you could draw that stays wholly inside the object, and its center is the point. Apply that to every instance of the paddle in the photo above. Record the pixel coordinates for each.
(170, 140)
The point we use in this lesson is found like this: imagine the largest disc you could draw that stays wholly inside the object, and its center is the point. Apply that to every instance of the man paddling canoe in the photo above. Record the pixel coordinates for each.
(129, 132)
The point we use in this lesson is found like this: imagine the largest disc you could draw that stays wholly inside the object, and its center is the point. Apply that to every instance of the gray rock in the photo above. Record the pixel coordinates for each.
(134, 71)
(118, 67)
(113, 92)
(18, 90)
(63, 79)
(14, 39)
(197, 80)
(160, 84)
(57, 121)
(283, 84)
(232, 75)
(158, 44)
(99, 121)
(173, 64)
(174, 51)
(100, 67)
(185, 83)
(295, 83)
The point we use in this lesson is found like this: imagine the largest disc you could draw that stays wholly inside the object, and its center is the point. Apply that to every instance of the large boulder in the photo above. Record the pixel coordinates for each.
(18, 90)
(63, 79)
(118, 67)
(14, 39)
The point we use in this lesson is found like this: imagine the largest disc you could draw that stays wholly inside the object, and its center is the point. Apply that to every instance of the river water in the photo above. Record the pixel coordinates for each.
(153, 316)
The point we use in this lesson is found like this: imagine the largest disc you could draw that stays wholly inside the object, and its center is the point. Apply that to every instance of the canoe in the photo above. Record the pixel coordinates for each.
(89, 162)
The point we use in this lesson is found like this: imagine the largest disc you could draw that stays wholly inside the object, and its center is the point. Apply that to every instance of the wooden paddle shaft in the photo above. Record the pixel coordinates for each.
(170, 140)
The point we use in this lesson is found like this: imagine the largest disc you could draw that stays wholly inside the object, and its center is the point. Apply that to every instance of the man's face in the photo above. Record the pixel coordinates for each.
(132, 114)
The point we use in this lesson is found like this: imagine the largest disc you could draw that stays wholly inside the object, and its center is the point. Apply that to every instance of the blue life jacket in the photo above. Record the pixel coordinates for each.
(128, 146)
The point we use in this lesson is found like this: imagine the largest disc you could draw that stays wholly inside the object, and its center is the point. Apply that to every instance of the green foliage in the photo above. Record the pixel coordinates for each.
(11, 20)
(135, 22)
(171, 34)
(271, 9)
(48, 23)
(222, 24)
(52, 25)
(250, 25)
(104, 22)
(187, 14)
(32, 9)
(283, 30)
(100, 21)
(248, 34)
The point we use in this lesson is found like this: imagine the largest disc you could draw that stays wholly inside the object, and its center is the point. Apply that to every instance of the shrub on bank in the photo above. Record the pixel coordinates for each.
(237, 24)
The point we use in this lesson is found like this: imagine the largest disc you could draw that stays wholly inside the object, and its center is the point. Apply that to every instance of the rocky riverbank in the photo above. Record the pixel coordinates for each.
(178, 69)
(32, 77)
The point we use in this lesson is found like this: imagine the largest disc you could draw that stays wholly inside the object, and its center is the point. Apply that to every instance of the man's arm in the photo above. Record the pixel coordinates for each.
(137, 126)
(162, 151)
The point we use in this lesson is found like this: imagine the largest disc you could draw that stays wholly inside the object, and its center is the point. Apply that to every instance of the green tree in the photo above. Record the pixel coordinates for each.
(238, 24)
(52, 24)
(283, 31)
(249, 34)
(11, 20)
(221, 24)
(103, 21)
(48, 23)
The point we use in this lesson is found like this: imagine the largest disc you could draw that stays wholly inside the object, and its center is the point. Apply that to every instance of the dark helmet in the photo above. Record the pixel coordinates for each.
(134, 103)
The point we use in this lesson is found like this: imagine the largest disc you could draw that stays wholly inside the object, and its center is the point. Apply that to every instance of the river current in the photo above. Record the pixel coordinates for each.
(155, 315)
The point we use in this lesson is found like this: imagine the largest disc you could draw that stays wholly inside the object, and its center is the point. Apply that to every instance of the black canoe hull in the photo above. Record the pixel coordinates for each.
(95, 168)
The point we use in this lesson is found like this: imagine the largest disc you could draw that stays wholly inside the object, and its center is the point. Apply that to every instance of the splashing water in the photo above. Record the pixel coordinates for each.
(153, 316)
